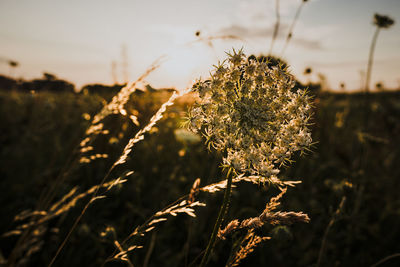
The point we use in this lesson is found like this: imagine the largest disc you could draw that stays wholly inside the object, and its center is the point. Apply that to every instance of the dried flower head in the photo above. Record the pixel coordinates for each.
(248, 110)
(383, 21)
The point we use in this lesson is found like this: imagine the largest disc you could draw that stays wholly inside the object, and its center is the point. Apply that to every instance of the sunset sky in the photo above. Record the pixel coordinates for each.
(78, 40)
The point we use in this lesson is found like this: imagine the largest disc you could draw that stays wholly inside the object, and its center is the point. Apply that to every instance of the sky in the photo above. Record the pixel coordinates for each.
(102, 41)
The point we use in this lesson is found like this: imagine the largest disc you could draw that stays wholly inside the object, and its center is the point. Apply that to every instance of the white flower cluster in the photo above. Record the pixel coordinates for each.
(248, 110)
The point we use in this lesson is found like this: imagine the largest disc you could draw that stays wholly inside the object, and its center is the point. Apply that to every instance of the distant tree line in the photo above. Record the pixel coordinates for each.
(51, 83)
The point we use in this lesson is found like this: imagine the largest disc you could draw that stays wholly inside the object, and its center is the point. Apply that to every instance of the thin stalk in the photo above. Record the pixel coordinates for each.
(386, 259)
(328, 228)
(371, 59)
(44, 202)
(139, 229)
(276, 27)
(95, 194)
(138, 137)
(219, 220)
(290, 34)
(150, 250)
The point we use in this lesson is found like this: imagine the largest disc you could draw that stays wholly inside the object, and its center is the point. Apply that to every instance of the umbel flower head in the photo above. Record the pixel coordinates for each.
(382, 21)
(248, 110)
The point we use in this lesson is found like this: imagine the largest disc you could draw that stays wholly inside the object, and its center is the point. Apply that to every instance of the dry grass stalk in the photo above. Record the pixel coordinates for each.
(194, 190)
(282, 217)
(63, 205)
(276, 26)
(92, 157)
(118, 101)
(216, 187)
(250, 241)
(27, 213)
(274, 202)
(128, 148)
(328, 228)
(140, 135)
(290, 33)
(386, 259)
(116, 106)
(183, 207)
(178, 207)
(266, 217)
(123, 254)
(32, 231)
(232, 226)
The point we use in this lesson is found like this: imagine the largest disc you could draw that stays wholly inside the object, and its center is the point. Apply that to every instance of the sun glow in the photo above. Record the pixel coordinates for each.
(184, 65)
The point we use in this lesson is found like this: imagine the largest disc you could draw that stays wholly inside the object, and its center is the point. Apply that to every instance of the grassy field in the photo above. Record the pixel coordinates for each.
(349, 189)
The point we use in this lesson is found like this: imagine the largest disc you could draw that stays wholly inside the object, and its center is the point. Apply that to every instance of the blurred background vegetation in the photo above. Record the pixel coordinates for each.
(354, 162)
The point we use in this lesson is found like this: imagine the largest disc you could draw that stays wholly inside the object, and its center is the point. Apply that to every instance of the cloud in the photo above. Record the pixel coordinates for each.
(243, 32)
(246, 32)
(264, 10)
(307, 43)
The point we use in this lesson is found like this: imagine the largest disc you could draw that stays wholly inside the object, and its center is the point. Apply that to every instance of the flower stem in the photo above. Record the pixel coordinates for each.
(371, 59)
(219, 220)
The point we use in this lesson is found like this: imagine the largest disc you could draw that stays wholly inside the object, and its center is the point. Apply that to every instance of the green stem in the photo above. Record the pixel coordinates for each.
(219, 220)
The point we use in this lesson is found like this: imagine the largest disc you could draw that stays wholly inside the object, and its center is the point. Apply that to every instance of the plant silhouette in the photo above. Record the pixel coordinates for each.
(381, 22)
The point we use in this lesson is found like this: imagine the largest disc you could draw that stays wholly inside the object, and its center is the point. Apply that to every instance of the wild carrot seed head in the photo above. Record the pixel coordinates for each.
(249, 111)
